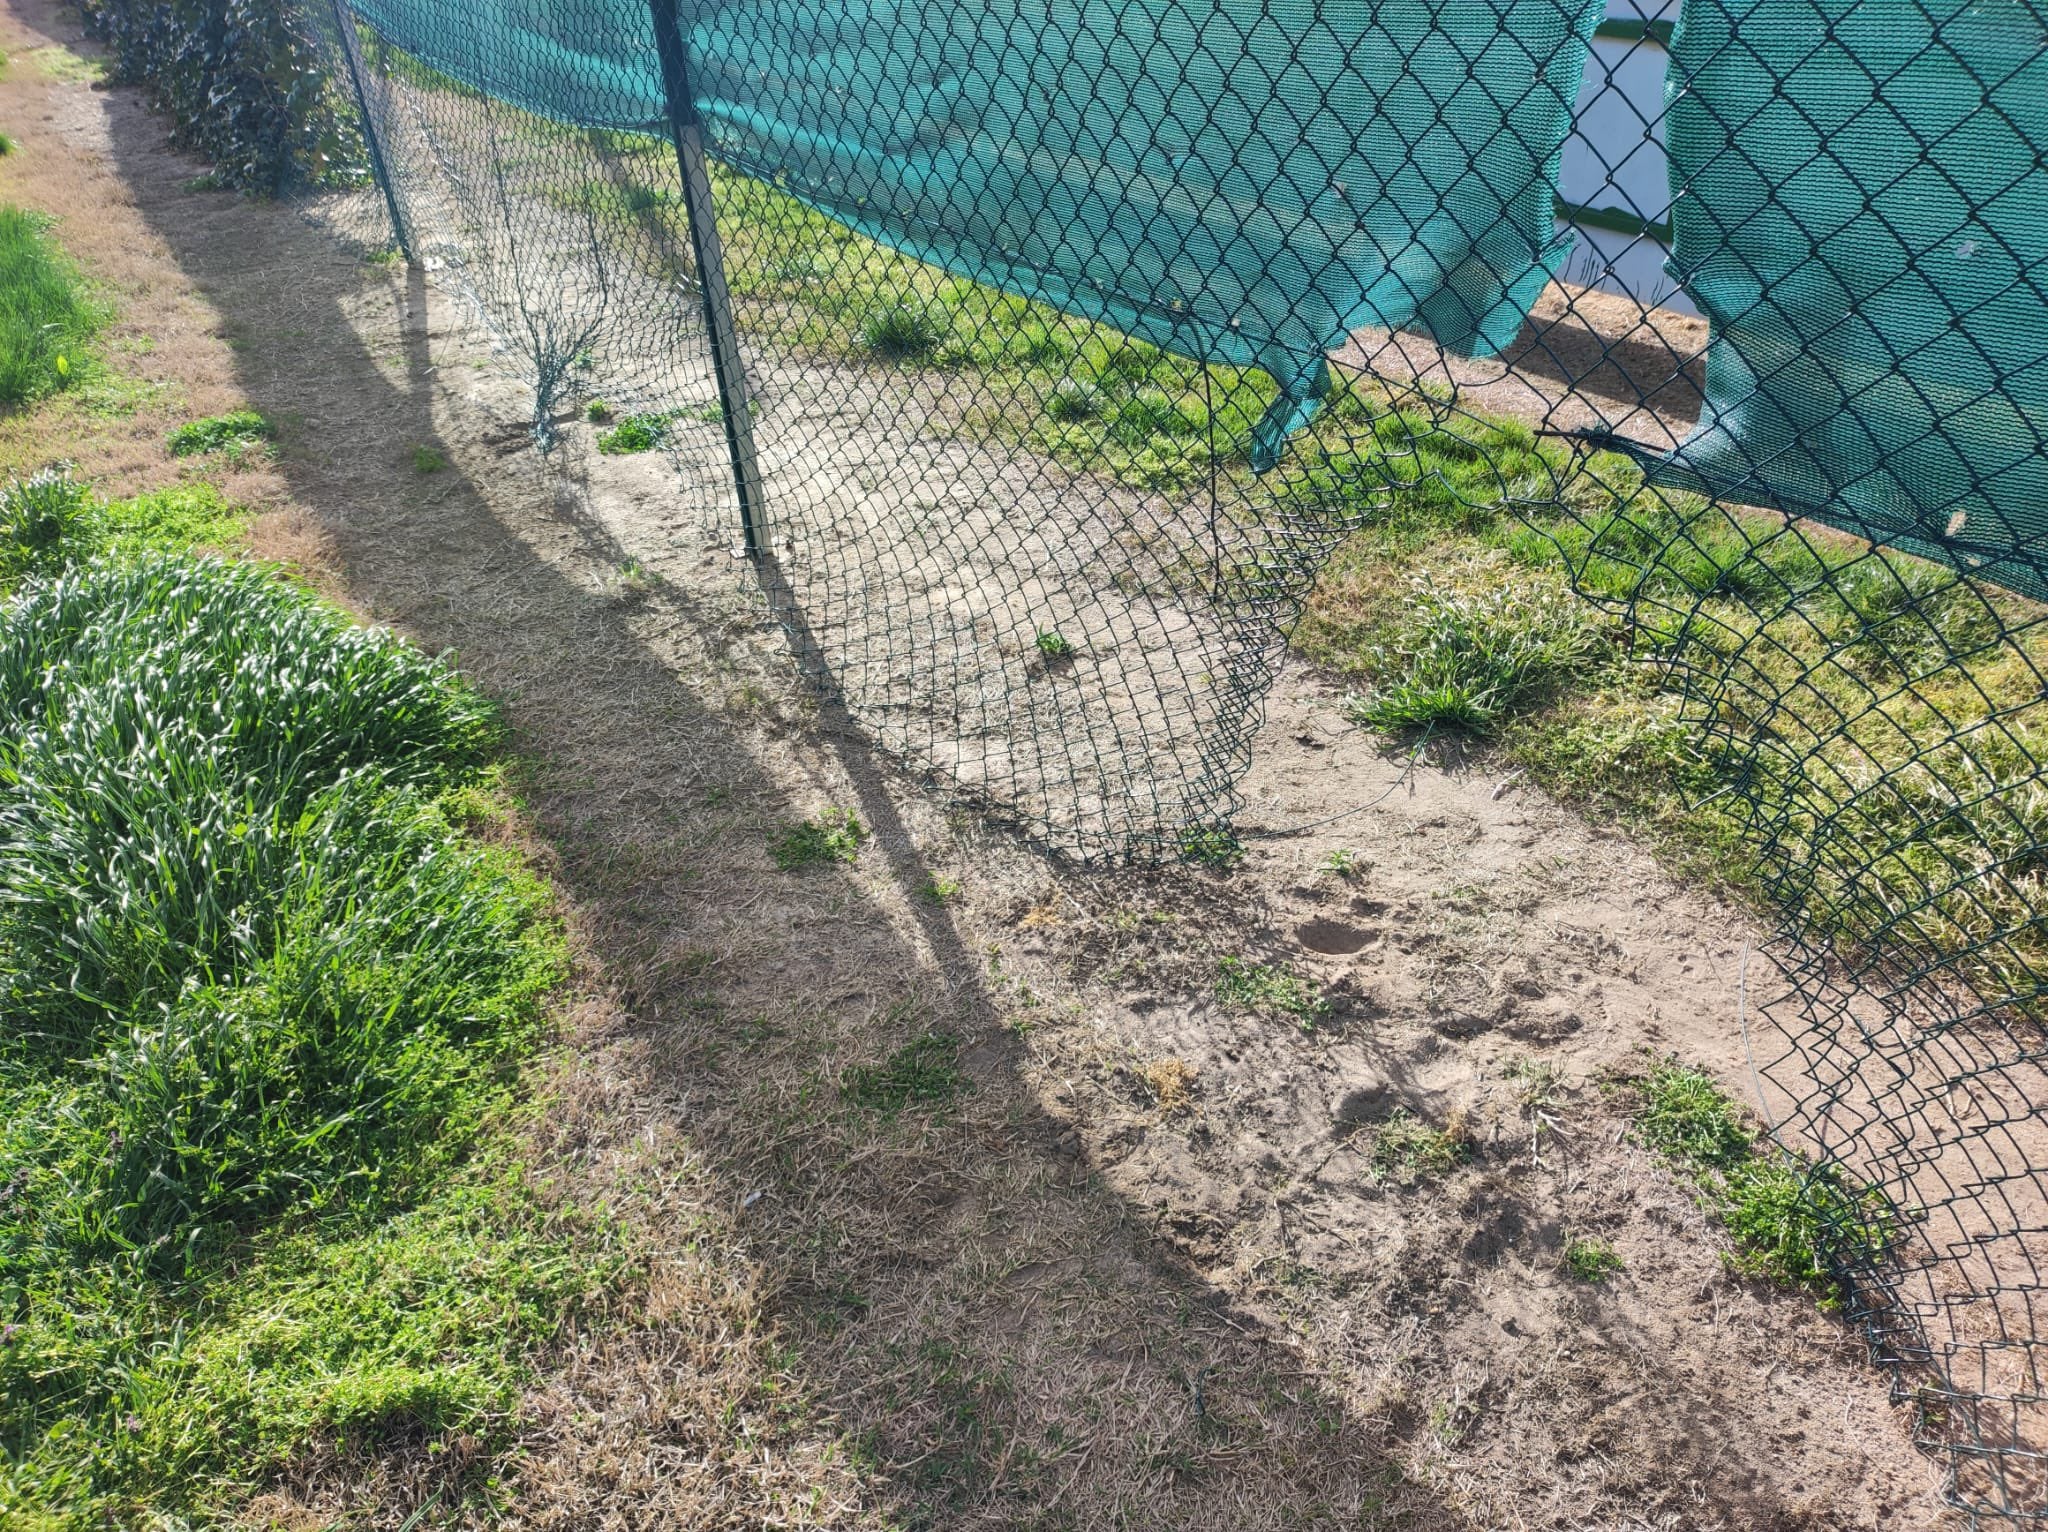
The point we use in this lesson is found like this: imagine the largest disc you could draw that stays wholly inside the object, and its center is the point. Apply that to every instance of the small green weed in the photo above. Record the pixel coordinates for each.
(427, 460)
(47, 323)
(1407, 1149)
(233, 433)
(1591, 1260)
(1214, 846)
(923, 1072)
(6, 145)
(834, 836)
(597, 412)
(634, 433)
(1271, 990)
(939, 890)
(901, 330)
(1342, 863)
(1053, 646)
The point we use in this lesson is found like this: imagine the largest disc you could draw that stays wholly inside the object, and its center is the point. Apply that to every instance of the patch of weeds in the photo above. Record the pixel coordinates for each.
(901, 331)
(923, 1072)
(427, 460)
(176, 519)
(1053, 645)
(834, 836)
(47, 520)
(1406, 1149)
(7, 145)
(1591, 1260)
(1342, 863)
(1213, 846)
(634, 433)
(1468, 661)
(597, 412)
(939, 890)
(233, 433)
(1271, 989)
(1793, 1222)
(1074, 399)
(47, 322)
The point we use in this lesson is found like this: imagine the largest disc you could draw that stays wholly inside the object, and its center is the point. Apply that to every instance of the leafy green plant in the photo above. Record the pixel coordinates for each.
(923, 1072)
(1342, 863)
(6, 145)
(1052, 645)
(46, 520)
(597, 412)
(1591, 1260)
(232, 433)
(900, 330)
(1272, 990)
(47, 323)
(834, 836)
(428, 460)
(634, 433)
(244, 83)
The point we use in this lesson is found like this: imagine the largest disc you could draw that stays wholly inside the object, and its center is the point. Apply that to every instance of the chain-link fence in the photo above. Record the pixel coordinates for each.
(1040, 352)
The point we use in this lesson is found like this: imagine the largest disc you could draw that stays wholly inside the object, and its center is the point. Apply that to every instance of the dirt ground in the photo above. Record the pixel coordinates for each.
(1143, 1273)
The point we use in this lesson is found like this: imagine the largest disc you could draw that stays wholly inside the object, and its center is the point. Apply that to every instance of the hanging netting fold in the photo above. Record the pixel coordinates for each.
(1067, 339)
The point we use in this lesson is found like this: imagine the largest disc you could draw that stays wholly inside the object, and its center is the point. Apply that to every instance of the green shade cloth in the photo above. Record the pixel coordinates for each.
(1238, 182)
(1862, 214)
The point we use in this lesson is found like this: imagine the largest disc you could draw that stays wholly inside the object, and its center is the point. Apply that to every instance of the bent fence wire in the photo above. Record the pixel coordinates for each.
(1067, 338)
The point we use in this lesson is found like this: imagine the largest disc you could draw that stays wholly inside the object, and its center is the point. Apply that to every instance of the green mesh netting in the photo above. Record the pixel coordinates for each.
(1245, 183)
(1864, 219)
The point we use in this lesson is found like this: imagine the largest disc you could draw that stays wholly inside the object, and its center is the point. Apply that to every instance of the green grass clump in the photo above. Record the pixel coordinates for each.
(47, 323)
(901, 331)
(263, 1001)
(6, 145)
(233, 433)
(428, 460)
(1591, 1260)
(1054, 646)
(46, 520)
(834, 836)
(923, 1072)
(1406, 1149)
(1794, 1223)
(633, 433)
(1271, 990)
(597, 412)
(1468, 660)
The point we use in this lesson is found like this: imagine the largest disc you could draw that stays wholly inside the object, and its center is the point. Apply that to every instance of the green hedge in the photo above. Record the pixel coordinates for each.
(245, 82)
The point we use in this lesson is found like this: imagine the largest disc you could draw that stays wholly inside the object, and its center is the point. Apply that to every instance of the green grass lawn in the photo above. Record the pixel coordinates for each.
(47, 320)
(266, 999)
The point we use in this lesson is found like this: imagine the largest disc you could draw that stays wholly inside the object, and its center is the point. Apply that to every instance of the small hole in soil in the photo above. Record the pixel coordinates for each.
(1331, 936)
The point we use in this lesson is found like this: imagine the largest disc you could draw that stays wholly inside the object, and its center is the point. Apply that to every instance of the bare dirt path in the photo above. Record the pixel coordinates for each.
(1143, 1273)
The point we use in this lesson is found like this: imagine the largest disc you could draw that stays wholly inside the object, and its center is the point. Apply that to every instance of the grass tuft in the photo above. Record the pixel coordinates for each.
(900, 330)
(923, 1072)
(47, 323)
(1591, 1260)
(46, 520)
(1406, 1149)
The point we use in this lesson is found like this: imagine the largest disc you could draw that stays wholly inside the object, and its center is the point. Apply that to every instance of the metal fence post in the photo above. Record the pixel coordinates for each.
(734, 401)
(345, 24)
